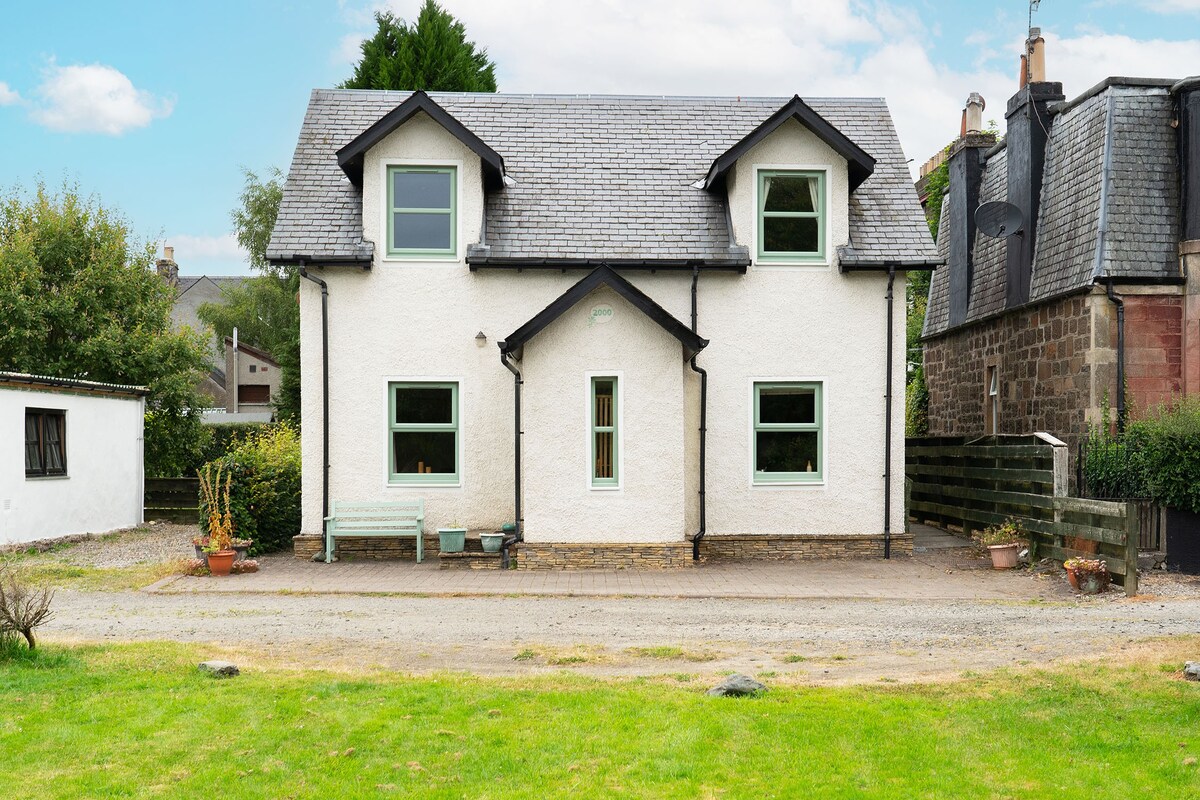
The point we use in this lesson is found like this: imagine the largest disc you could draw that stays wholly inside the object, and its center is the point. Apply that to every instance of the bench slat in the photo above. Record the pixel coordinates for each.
(400, 518)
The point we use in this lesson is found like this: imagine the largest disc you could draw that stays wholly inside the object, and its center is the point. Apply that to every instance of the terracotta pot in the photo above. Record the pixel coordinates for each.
(220, 563)
(1073, 579)
(1004, 556)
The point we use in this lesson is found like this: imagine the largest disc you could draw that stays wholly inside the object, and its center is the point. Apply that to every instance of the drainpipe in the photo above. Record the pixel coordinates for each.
(1116, 300)
(324, 400)
(519, 533)
(703, 421)
(887, 426)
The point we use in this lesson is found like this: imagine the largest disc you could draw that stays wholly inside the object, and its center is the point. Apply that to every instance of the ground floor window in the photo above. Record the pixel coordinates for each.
(787, 433)
(45, 441)
(604, 432)
(423, 433)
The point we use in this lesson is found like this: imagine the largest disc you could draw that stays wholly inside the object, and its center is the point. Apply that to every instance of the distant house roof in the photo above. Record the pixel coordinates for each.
(258, 353)
(186, 282)
(23, 380)
(1125, 122)
(603, 276)
(594, 178)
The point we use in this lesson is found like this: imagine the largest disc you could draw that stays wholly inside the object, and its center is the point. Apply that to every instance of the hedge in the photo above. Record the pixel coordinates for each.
(265, 494)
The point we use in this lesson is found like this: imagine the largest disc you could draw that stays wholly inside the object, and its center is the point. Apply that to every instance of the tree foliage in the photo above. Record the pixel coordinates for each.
(254, 219)
(80, 299)
(433, 54)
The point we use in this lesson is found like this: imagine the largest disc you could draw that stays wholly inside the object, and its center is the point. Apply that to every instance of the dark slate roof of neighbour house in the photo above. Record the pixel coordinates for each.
(603, 276)
(1129, 121)
(593, 177)
(188, 281)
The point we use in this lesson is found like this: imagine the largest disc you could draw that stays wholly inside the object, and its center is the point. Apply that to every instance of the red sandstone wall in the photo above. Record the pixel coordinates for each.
(1153, 350)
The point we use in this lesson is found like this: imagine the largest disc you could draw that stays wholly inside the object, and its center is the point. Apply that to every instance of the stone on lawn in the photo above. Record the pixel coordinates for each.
(220, 669)
(1191, 670)
(737, 686)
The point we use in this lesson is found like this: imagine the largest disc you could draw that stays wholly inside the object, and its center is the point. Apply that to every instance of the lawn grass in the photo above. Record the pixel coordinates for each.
(140, 721)
(43, 570)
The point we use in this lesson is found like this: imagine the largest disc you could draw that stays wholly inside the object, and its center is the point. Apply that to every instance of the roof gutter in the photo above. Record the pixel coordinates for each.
(518, 522)
(653, 265)
(288, 260)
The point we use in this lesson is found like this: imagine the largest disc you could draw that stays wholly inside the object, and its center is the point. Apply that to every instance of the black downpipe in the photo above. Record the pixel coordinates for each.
(519, 533)
(1116, 300)
(703, 421)
(324, 401)
(887, 427)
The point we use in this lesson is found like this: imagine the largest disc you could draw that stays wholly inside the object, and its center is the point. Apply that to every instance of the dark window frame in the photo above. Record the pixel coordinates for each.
(59, 415)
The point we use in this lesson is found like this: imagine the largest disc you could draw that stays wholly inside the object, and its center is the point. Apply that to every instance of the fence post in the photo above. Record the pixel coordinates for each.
(1131, 549)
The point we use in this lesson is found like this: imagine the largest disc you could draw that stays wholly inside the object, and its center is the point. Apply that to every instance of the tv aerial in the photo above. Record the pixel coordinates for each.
(999, 219)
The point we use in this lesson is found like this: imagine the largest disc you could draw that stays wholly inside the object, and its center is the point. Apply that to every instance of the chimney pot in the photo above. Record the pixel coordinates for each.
(973, 114)
(1024, 79)
(1037, 56)
(168, 253)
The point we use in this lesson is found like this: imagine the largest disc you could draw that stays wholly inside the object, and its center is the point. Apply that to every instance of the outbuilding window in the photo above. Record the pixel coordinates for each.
(421, 211)
(791, 215)
(45, 442)
(604, 432)
(423, 433)
(788, 445)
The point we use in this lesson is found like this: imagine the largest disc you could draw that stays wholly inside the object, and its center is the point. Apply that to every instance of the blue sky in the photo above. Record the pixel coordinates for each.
(156, 106)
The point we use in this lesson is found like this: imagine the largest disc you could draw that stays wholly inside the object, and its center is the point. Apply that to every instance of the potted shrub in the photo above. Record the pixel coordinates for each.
(1088, 575)
(452, 539)
(220, 523)
(1003, 542)
(241, 547)
(491, 541)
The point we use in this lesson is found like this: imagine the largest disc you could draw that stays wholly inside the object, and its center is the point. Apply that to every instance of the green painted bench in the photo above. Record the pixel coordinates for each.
(381, 518)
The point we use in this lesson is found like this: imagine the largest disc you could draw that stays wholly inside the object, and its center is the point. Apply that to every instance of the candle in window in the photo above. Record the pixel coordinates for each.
(809, 468)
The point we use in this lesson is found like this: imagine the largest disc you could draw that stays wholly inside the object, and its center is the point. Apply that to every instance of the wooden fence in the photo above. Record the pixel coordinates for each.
(971, 485)
(173, 499)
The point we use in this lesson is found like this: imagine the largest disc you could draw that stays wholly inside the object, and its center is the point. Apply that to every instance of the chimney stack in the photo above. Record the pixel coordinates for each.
(168, 270)
(965, 171)
(1028, 123)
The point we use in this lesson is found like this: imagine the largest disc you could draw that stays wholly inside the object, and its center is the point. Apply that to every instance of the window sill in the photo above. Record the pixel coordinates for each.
(407, 258)
(395, 484)
(762, 484)
(815, 263)
(615, 488)
(47, 477)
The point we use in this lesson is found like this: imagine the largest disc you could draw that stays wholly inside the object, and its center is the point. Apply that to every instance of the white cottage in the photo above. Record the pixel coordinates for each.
(72, 457)
(645, 329)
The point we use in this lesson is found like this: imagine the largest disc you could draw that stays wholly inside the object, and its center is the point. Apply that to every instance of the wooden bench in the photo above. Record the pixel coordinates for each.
(379, 518)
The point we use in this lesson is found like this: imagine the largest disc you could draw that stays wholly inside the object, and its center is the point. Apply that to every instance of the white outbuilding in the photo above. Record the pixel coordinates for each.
(70, 457)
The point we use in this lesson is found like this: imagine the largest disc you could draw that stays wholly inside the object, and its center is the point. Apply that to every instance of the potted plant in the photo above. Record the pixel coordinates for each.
(492, 541)
(1003, 542)
(452, 539)
(220, 522)
(1088, 575)
(241, 547)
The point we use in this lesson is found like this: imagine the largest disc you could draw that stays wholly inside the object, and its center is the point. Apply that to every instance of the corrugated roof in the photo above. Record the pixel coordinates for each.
(595, 176)
(50, 382)
(1140, 202)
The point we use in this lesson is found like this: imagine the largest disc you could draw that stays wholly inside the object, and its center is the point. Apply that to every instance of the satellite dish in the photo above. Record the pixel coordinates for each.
(998, 219)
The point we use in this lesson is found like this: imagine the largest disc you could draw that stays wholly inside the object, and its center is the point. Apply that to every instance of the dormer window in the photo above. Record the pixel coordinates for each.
(421, 211)
(791, 215)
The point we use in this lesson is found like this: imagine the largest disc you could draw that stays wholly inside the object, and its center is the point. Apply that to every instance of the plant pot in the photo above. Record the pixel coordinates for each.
(1004, 556)
(491, 542)
(1073, 579)
(241, 551)
(452, 540)
(220, 563)
(199, 551)
(1093, 582)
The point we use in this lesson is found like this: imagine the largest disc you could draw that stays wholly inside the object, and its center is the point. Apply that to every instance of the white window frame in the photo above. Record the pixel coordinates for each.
(784, 262)
(823, 438)
(619, 375)
(385, 211)
(409, 486)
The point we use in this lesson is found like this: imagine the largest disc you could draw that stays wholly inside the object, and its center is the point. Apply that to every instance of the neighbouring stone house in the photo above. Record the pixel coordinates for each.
(1038, 331)
(644, 329)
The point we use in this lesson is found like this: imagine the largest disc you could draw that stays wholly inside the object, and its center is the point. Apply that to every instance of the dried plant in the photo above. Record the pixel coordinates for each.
(216, 501)
(23, 608)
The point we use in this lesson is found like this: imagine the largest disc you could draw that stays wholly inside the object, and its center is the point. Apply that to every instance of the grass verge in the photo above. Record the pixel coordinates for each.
(139, 721)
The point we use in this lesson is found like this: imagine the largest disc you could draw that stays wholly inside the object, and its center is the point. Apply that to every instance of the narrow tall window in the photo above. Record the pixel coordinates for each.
(991, 423)
(787, 433)
(791, 216)
(421, 211)
(423, 433)
(45, 442)
(604, 432)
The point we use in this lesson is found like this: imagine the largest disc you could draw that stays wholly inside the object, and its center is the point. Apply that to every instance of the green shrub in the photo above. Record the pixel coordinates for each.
(265, 496)
(1172, 454)
(916, 405)
(225, 437)
(1114, 467)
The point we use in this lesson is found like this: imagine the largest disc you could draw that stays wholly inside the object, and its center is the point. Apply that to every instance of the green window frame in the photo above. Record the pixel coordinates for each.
(818, 213)
(408, 438)
(774, 437)
(395, 211)
(603, 436)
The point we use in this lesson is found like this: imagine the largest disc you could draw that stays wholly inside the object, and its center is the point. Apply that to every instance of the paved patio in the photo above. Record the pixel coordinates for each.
(939, 570)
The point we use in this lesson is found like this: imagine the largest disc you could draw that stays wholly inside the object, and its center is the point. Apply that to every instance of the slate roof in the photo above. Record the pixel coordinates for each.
(188, 281)
(1139, 205)
(604, 177)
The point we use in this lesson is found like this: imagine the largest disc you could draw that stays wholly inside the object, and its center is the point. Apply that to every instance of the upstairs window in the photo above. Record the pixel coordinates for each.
(45, 442)
(787, 433)
(791, 215)
(421, 211)
(423, 433)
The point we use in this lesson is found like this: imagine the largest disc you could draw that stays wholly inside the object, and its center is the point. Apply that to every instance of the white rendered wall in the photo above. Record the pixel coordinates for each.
(419, 320)
(102, 490)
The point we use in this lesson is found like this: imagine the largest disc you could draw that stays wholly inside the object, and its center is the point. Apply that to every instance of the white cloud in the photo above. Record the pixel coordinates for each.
(190, 249)
(1172, 6)
(8, 96)
(95, 98)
